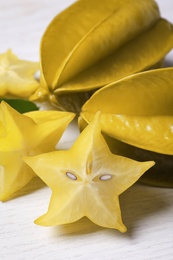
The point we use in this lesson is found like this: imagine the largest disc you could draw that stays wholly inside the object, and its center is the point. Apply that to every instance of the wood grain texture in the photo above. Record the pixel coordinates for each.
(147, 212)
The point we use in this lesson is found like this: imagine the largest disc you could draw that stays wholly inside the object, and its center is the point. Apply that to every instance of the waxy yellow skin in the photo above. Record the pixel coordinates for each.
(88, 32)
(139, 54)
(137, 110)
(90, 45)
(17, 76)
(29, 134)
(86, 180)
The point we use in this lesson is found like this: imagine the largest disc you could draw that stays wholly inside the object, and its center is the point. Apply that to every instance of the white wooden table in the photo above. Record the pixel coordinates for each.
(147, 212)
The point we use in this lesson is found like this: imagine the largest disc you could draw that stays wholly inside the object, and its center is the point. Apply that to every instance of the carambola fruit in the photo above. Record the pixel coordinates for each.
(25, 134)
(90, 44)
(17, 76)
(86, 180)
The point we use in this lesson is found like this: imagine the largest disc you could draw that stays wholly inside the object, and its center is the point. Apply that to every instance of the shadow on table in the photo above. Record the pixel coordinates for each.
(141, 202)
(34, 185)
(137, 204)
(81, 227)
(168, 63)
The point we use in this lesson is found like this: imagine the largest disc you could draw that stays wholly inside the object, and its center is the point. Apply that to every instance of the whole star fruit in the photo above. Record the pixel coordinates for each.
(137, 110)
(25, 134)
(89, 45)
(86, 180)
(17, 76)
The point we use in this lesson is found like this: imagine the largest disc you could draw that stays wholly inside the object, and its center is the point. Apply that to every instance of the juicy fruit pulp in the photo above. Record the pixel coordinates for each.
(86, 180)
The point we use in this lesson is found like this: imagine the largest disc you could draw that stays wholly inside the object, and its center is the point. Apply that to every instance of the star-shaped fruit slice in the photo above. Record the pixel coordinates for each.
(17, 76)
(25, 134)
(86, 180)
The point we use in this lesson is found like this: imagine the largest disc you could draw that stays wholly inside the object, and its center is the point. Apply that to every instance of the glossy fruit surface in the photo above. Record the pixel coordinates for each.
(86, 33)
(135, 56)
(86, 180)
(89, 45)
(137, 110)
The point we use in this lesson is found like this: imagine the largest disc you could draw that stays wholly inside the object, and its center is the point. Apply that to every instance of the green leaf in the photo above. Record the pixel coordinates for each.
(20, 105)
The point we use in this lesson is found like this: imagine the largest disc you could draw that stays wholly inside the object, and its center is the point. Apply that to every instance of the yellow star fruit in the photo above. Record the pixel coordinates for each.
(17, 76)
(89, 45)
(30, 134)
(137, 110)
(86, 180)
